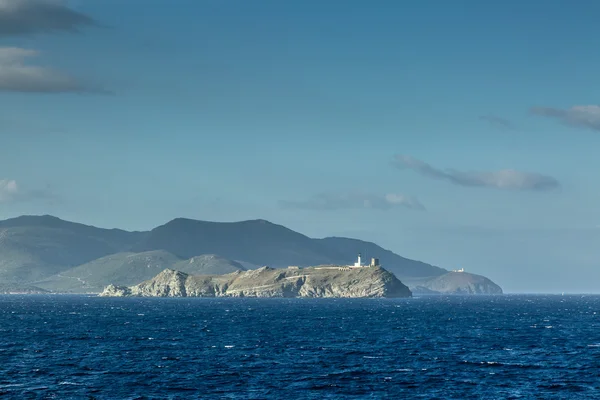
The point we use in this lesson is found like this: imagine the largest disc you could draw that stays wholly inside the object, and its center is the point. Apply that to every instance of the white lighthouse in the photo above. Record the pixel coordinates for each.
(358, 263)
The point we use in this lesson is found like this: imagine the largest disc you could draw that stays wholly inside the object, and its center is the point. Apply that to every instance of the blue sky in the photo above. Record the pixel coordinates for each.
(464, 134)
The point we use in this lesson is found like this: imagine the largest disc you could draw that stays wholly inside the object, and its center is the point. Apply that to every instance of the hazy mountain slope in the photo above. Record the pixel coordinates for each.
(35, 248)
(32, 248)
(400, 266)
(258, 242)
(132, 268)
(15, 288)
(120, 267)
(455, 283)
(208, 264)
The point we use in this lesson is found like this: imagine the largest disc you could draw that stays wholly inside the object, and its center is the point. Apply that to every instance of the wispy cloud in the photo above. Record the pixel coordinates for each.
(329, 201)
(18, 76)
(506, 179)
(578, 116)
(11, 192)
(26, 17)
(498, 122)
(8, 190)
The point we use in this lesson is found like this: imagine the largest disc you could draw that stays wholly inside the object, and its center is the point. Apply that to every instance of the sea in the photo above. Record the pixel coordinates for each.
(431, 347)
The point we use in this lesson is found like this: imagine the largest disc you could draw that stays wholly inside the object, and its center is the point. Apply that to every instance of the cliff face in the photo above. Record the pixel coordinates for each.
(269, 282)
(457, 283)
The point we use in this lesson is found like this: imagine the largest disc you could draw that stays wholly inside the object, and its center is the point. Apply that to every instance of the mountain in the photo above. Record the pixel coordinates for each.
(34, 247)
(208, 264)
(58, 254)
(131, 268)
(257, 241)
(263, 243)
(400, 266)
(330, 281)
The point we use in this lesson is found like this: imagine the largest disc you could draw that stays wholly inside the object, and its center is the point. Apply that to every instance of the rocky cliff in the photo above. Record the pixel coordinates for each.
(328, 281)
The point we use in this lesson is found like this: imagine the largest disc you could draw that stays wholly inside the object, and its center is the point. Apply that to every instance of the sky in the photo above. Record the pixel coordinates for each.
(462, 134)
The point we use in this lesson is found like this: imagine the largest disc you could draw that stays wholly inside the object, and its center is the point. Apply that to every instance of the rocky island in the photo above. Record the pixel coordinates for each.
(323, 281)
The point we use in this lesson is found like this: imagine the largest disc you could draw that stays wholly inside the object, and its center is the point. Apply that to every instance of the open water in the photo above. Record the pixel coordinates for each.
(492, 347)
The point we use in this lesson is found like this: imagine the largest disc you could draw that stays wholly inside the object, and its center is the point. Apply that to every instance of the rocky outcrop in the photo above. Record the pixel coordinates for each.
(456, 283)
(326, 281)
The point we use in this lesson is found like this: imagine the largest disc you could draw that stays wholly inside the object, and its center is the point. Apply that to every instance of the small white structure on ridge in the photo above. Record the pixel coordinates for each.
(358, 263)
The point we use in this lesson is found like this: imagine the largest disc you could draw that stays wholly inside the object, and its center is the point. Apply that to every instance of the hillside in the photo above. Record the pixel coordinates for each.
(15, 288)
(258, 242)
(32, 248)
(131, 268)
(263, 243)
(400, 266)
(455, 283)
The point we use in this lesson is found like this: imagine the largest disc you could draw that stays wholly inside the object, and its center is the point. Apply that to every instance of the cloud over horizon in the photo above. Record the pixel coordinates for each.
(11, 192)
(329, 201)
(577, 116)
(27, 17)
(505, 179)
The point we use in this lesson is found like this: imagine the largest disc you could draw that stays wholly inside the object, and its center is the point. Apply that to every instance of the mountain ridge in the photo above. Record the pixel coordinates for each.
(35, 248)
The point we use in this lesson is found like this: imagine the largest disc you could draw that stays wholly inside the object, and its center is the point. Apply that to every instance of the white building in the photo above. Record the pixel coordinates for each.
(357, 263)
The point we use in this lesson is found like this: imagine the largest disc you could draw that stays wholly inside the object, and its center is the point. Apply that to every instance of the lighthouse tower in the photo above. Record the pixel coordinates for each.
(358, 263)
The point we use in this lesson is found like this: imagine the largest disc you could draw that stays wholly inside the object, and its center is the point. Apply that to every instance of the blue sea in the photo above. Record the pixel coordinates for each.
(490, 347)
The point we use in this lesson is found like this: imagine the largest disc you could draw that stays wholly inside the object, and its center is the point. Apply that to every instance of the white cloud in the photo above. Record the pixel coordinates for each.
(9, 190)
(578, 116)
(25, 17)
(18, 76)
(506, 179)
(354, 201)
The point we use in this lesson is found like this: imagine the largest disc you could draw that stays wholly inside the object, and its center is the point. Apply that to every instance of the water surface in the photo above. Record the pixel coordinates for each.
(430, 347)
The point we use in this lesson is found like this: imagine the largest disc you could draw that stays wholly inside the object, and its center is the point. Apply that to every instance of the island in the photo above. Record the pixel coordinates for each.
(328, 281)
